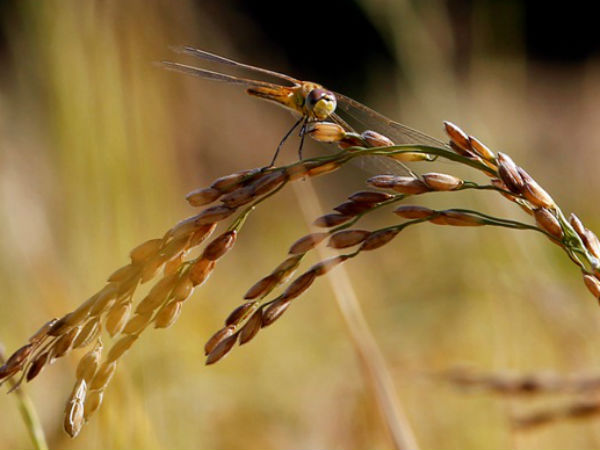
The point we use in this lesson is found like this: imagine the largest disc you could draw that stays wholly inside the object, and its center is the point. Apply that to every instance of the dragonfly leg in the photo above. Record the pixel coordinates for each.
(302, 134)
(287, 135)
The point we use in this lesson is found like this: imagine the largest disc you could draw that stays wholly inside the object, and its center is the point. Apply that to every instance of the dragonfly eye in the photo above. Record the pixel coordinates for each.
(321, 103)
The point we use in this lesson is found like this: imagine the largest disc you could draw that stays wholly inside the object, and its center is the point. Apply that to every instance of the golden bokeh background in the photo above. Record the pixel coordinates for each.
(98, 147)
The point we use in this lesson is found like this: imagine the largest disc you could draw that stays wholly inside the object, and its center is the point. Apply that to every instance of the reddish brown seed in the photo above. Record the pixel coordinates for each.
(533, 192)
(63, 344)
(274, 311)
(42, 332)
(481, 149)
(378, 238)
(352, 208)
(183, 229)
(592, 284)
(214, 214)
(144, 251)
(458, 136)
(382, 181)
(200, 271)
(37, 366)
(18, 357)
(217, 338)
(546, 220)
(374, 139)
(326, 132)
(306, 243)
(577, 225)
(347, 238)
(414, 212)
(321, 268)
(331, 220)
(60, 326)
(370, 197)
(239, 197)
(442, 181)
(410, 186)
(351, 140)
(268, 182)
(230, 182)
(509, 173)
(251, 327)
(299, 285)
(500, 185)
(220, 245)
(592, 243)
(201, 234)
(202, 196)
(458, 219)
(221, 350)
(262, 287)
(239, 313)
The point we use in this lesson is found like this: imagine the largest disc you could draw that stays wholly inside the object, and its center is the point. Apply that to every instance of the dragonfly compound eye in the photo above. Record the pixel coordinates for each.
(321, 103)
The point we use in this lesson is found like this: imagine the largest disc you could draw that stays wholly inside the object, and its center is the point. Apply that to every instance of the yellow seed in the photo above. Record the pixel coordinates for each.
(104, 375)
(481, 149)
(88, 333)
(151, 268)
(158, 293)
(183, 289)
(410, 156)
(104, 298)
(117, 318)
(92, 402)
(88, 365)
(74, 410)
(168, 315)
(120, 347)
(200, 271)
(326, 132)
(123, 273)
(323, 168)
(137, 323)
(146, 250)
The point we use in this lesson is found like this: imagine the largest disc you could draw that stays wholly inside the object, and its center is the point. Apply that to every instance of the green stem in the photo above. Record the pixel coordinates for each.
(29, 415)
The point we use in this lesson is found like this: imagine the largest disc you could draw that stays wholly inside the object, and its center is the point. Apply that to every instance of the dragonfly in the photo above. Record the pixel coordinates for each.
(308, 100)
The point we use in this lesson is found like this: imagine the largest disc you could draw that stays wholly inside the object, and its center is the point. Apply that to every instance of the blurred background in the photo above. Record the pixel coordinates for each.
(98, 147)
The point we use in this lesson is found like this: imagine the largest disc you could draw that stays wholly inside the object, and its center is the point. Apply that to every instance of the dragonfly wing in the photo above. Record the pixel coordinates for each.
(216, 76)
(400, 134)
(230, 62)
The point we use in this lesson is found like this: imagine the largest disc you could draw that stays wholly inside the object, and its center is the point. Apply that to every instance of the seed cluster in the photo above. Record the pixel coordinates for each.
(115, 314)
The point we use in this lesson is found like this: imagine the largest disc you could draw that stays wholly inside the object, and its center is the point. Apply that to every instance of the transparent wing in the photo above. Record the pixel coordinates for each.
(230, 62)
(216, 76)
(400, 134)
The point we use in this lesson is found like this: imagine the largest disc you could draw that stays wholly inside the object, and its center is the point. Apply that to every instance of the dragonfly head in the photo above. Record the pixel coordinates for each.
(321, 103)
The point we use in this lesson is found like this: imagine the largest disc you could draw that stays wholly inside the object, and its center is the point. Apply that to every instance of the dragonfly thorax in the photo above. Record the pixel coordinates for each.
(320, 103)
